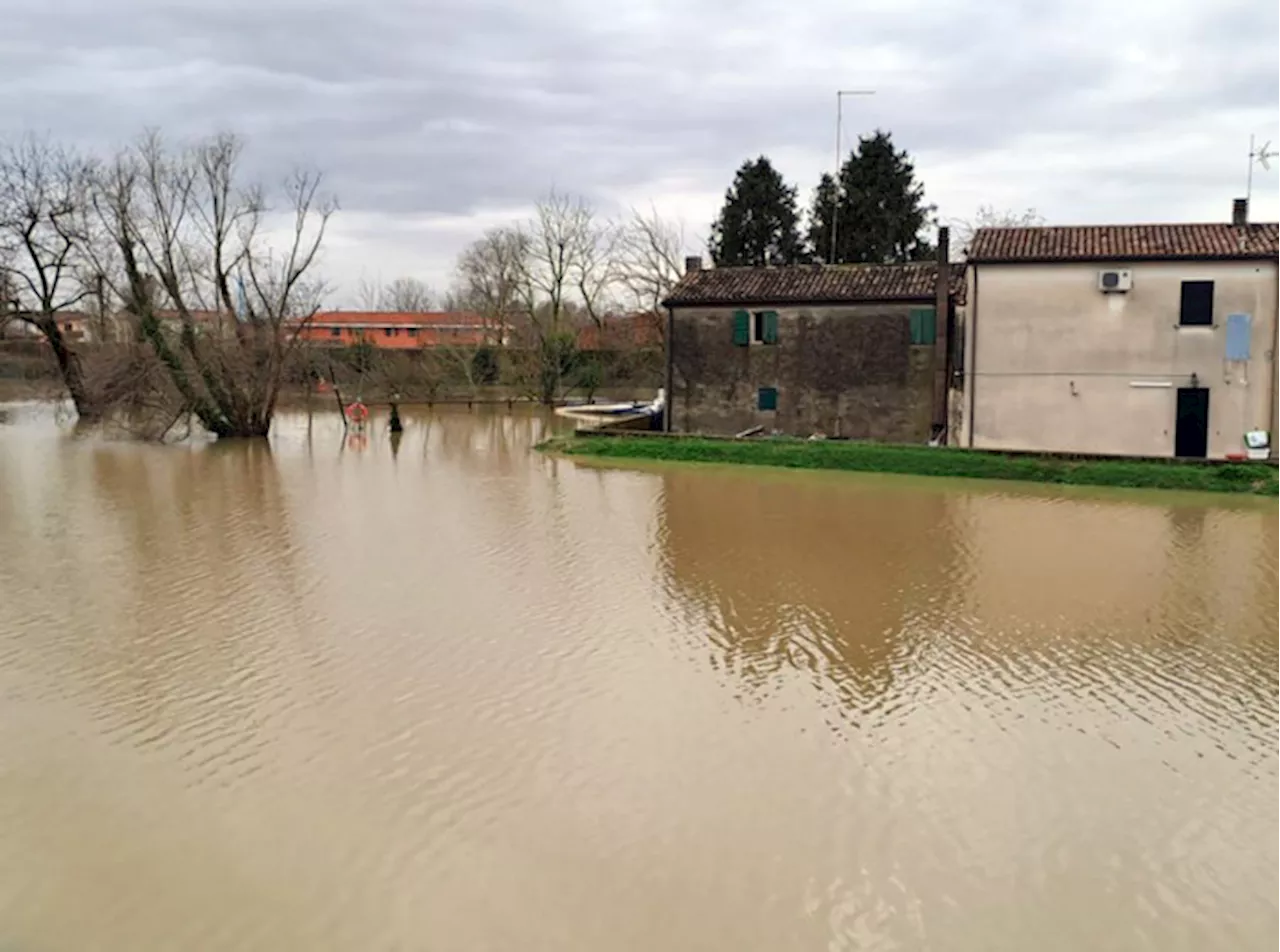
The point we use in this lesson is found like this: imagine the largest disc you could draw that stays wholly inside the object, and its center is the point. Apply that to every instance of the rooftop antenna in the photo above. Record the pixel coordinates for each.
(835, 208)
(1261, 154)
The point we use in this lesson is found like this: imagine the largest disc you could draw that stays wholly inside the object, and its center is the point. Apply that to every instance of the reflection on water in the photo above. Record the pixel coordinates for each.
(358, 692)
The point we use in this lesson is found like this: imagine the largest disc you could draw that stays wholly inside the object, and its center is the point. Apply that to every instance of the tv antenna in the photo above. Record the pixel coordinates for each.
(835, 208)
(1261, 155)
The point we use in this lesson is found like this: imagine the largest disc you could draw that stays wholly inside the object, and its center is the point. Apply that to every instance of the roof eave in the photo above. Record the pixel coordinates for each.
(797, 302)
(1115, 259)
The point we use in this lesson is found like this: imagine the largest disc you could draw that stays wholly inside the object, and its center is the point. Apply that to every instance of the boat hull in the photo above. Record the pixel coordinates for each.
(584, 420)
(617, 416)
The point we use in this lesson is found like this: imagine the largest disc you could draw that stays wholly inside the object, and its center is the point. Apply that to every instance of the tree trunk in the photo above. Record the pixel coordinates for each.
(233, 423)
(72, 372)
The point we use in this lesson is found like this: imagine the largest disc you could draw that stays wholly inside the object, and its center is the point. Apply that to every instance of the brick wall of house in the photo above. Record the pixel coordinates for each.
(846, 370)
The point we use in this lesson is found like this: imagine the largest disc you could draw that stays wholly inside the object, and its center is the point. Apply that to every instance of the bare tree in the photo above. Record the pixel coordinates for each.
(573, 261)
(220, 300)
(492, 278)
(573, 258)
(564, 269)
(650, 258)
(594, 265)
(44, 192)
(962, 229)
(406, 295)
(369, 295)
(554, 244)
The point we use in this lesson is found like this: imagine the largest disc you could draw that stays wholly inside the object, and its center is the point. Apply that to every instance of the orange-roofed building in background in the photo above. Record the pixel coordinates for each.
(399, 330)
(636, 331)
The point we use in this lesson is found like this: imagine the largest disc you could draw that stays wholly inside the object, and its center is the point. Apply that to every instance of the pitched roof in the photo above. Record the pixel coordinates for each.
(812, 284)
(1125, 243)
(396, 319)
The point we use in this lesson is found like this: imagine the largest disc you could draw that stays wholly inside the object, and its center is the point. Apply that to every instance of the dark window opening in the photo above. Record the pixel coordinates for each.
(764, 327)
(335, 332)
(1197, 304)
(767, 398)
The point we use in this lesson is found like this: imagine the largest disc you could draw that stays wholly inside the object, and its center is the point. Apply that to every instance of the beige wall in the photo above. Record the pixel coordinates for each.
(1051, 361)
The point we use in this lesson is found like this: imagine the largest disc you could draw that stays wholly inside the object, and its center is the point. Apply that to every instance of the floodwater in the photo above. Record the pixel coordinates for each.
(451, 694)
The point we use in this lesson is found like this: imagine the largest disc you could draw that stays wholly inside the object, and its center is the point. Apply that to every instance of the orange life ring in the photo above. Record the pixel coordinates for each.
(357, 412)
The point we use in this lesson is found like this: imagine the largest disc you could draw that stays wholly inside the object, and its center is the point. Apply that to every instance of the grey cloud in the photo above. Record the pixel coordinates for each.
(447, 107)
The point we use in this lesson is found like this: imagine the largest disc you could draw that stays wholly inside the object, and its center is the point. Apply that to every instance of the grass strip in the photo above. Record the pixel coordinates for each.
(1255, 478)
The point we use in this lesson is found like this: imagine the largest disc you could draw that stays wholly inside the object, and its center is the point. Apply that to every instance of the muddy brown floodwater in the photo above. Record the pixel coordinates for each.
(451, 694)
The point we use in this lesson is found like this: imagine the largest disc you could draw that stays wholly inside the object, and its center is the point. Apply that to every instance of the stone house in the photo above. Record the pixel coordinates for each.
(1132, 340)
(857, 351)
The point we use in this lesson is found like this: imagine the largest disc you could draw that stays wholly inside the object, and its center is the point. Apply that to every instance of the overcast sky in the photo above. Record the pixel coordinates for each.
(435, 119)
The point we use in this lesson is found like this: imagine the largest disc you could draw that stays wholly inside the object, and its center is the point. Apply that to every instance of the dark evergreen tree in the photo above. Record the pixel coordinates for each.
(825, 197)
(759, 224)
(883, 214)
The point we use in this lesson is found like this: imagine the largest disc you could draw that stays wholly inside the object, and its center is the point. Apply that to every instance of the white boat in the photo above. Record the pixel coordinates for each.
(616, 416)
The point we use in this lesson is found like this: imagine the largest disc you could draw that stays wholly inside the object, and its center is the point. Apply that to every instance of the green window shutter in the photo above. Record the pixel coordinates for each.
(924, 325)
(741, 328)
(767, 398)
(770, 327)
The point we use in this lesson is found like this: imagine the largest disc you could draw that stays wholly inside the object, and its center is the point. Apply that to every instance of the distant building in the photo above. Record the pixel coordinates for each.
(856, 351)
(639, 331)
(207, 323)
(77, 327)
(1136, 340)
(395, 330)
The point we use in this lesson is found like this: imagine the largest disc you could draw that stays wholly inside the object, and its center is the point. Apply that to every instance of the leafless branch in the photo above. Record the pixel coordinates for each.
(986, 216)
(651, 254)
(220, 296)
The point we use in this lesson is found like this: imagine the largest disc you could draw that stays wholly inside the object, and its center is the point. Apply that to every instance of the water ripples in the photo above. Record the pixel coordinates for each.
(335, 699)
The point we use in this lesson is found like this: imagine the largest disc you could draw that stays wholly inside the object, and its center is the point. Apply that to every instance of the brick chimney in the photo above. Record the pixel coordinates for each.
(692, 263)
(1240, 212)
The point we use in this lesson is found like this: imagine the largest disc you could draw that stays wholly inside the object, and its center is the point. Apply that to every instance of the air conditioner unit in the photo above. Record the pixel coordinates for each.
(1110, 281)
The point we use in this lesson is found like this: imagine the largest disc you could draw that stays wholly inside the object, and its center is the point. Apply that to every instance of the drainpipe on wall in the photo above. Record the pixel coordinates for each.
(942, 349)
(668, 378)
(971, 344)
(1273, 380)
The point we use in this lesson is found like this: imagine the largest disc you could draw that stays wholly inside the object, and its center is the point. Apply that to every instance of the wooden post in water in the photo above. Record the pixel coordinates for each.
(396, 425)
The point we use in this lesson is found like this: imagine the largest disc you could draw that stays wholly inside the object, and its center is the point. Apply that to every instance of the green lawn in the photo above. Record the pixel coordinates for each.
(1256, 478)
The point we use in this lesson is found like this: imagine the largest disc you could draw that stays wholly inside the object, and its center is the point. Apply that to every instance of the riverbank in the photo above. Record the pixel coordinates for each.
(1255, 478)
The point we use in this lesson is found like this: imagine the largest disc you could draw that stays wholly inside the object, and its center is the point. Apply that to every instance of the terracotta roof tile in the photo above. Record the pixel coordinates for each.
(1124, 243)
(812, 284)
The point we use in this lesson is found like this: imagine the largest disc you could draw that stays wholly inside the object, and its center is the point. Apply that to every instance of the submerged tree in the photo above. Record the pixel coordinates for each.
(187, 245)
(44, 194)
(758, 224)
